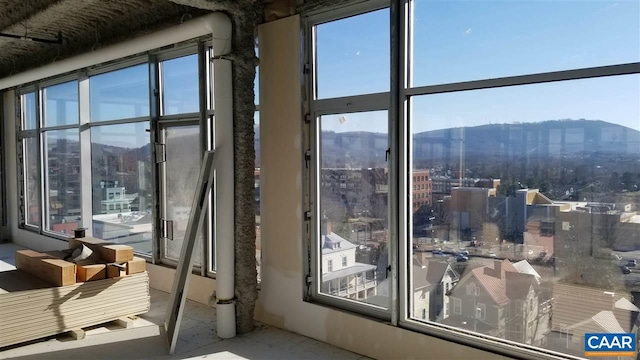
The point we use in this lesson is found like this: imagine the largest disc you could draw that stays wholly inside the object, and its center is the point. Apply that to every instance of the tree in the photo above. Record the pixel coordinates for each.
(608, 229)
(508, 188)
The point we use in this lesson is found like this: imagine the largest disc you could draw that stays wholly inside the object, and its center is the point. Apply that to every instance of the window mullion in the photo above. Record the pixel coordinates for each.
(85, 155)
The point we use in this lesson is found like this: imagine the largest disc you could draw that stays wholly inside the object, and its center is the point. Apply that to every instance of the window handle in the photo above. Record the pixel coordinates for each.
(388, 270)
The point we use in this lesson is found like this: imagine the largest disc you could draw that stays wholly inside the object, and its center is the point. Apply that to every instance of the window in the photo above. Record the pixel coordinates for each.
(344, 261)
(60, 105)
(61, 157)
(457, 306)
(472, 289)
(489, 39)
(121, 184)
(511, 156)
(519, 308)
(62, 180)
(120, 94)
(364, 41)
(329, 265)
(481, 311)
(85, 154)
(179, 79)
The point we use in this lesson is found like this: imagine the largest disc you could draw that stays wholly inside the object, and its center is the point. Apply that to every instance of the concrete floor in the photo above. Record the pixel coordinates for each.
(146, 338)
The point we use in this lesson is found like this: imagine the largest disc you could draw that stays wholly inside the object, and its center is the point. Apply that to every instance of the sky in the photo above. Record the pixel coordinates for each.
(470, 40)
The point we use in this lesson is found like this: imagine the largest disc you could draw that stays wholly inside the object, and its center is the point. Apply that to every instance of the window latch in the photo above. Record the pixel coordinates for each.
(386, 154)
(307, 158)
(387, 271)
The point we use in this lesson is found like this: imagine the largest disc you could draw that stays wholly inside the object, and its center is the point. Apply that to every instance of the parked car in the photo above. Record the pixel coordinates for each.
(461, 258)
(625, 270)
(438, 253)
(493, 255)
(631, 263)
(464, 252)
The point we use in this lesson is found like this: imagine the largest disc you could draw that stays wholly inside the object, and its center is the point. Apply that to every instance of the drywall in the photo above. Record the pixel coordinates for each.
(201, 289)
(280, 300)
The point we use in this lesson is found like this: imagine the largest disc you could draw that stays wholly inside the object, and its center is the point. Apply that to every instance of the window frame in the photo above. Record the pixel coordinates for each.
(400, 163)
(199, 46)
(313, 187)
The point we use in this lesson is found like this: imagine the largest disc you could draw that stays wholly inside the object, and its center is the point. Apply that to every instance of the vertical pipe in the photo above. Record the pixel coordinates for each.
(224, 178)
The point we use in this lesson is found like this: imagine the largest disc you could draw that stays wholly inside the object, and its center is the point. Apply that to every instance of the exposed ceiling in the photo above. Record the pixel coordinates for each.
(83, 25)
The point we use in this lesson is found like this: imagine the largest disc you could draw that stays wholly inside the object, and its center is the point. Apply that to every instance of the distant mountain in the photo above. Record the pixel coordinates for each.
(548, 138)
(553, 138)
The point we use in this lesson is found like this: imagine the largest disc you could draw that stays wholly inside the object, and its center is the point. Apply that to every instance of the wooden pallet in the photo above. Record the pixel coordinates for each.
(31, 309)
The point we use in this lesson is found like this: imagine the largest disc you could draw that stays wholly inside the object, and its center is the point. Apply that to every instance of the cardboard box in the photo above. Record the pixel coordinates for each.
(86, 271)
(46, 267)
(137, 265)
(105, 250)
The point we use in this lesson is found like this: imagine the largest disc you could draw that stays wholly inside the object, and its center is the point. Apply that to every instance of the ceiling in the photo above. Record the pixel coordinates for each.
(85, 25)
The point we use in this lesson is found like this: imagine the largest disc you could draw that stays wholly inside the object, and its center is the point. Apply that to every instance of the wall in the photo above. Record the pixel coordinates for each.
(280, 300)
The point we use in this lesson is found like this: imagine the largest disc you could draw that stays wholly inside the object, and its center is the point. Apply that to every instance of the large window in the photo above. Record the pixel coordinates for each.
(351, 252)
(116, 149)
(511, 133)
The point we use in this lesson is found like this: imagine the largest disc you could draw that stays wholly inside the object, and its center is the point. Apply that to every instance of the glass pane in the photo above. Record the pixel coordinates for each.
(63, 196)
(525, 204)
(32, 182)
(353, 202)
(60, 104)
(121, 185)
(466, 40)
(120, 94)
(180, 85)
(353, 55)
(182, 169)
(29, 120)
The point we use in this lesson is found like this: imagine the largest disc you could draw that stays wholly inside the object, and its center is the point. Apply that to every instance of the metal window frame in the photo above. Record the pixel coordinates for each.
(163, 125)
(473, 339)
(83, 77)
(331, 106)
(398, 103)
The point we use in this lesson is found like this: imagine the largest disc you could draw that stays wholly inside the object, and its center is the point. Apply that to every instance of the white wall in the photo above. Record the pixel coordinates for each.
(280, 300)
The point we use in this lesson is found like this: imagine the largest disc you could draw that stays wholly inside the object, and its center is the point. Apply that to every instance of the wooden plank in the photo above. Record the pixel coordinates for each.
(90, 272)
(106, 251)
(46, 267)
(77, 334)
(116, 270)
(137, 265)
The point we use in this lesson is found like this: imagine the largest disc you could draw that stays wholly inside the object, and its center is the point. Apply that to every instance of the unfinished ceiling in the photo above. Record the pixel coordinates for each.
(83, 25)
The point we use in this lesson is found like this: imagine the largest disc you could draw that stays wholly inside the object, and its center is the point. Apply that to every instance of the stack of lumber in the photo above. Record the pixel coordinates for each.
(31, 309)
(49, 294)
(107, 260)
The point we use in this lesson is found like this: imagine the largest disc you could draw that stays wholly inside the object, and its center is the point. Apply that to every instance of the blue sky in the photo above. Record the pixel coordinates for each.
(471, 40)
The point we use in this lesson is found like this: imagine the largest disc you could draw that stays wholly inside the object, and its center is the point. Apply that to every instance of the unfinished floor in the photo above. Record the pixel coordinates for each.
(146, 338)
